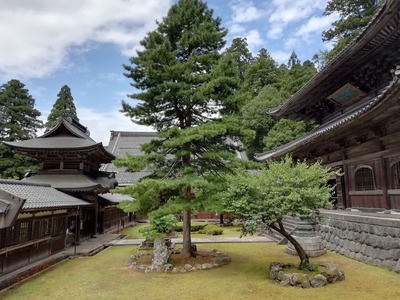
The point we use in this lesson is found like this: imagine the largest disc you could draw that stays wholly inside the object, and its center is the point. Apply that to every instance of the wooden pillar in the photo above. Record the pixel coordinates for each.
(384, 183)
(346, 186)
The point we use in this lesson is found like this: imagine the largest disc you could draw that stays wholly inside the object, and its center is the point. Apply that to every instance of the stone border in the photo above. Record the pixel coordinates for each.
(219, 259)
(331, 274)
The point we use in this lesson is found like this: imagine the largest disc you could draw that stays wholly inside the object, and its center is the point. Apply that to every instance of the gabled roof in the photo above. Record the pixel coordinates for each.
(364, 114)
(122, 144)
(10, 207)
(366, 62)
(40, 196)
(66, 136)
(75, 181)
(68, 127)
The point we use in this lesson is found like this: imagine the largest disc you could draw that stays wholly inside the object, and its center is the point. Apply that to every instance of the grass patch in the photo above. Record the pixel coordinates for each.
(228, 231)
(106, 276)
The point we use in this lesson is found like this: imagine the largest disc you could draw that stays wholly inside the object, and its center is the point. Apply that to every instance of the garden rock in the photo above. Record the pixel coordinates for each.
(330, 274)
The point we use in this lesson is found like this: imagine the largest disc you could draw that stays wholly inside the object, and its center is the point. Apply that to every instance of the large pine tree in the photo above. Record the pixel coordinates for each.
(183, 83)
(19, 121)
(63, 107)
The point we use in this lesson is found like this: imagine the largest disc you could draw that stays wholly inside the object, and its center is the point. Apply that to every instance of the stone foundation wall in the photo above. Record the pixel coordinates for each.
(369, 239)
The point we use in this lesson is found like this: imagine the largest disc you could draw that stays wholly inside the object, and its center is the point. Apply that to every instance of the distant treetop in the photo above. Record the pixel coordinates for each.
(63, 107)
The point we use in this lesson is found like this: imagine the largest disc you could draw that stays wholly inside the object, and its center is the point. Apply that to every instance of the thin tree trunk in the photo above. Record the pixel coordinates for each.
(221, 218)
(304, 259)
(187, 239)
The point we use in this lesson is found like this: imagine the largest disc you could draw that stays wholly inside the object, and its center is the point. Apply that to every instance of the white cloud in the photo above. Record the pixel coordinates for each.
(100, 123)
(316, 25)
(245, 11)
(254, 39)
(236, 28)
(282, 57)
(285, 12)
(39, 35)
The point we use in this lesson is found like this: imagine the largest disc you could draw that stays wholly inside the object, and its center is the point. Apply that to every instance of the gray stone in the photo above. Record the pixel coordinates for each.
(397, 267)
(318, 281)
(206, 266)
(359, 256)
(357, 247)
(160, 255)
(389, 264)
(297, 279)
(394, 253)
(391, 243)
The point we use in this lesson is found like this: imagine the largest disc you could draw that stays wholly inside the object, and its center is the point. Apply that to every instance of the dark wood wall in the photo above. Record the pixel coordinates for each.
(31, 239)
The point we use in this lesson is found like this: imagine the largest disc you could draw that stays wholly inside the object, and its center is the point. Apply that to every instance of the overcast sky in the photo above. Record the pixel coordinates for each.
(84, 43)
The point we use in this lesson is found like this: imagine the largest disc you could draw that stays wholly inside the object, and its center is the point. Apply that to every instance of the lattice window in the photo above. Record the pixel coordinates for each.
(364, 179)
(42, 228)
(24, 231)
(59, 225)
(2, 237)
(396, 175)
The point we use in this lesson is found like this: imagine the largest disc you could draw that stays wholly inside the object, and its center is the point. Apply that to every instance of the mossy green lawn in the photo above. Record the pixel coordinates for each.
(107, 276)
(228, 231)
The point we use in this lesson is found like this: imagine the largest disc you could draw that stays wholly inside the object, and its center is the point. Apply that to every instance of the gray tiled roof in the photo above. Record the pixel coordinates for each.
(73, 127)
(54, 143)
(339, 122)
(71, 182)
(123, 143)
(4, 205)
(115, 197)
(382, 31)
(40, 196)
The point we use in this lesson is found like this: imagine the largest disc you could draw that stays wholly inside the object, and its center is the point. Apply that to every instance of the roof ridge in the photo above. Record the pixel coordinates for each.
(18, 182)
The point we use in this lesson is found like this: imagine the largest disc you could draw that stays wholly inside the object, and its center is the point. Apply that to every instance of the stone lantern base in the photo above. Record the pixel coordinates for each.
(312, 245)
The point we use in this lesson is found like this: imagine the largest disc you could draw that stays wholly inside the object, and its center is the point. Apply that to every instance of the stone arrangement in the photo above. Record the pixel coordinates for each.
(375, 241)
(330, 274)
(161, 263)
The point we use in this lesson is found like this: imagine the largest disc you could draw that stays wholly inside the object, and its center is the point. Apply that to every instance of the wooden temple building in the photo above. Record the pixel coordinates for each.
(66, 200)
(355, 99)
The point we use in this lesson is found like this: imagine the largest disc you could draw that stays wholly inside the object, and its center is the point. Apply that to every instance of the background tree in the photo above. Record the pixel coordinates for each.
(284, 131)
(254, 116)
(184, 83)
(63, 107)
(266, 86)
(353, 16)
(19, 121)
(241, 54)
(285, 188)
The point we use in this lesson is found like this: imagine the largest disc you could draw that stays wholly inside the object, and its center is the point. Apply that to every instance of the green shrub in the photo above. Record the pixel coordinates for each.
(195, 226)
(211, 229)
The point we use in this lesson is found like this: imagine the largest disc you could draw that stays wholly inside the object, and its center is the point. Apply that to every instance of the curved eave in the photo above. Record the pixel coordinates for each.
(343, 60)
(54, 145)
(52, 208)
(74, 182)
(74, 131)
(339, 123)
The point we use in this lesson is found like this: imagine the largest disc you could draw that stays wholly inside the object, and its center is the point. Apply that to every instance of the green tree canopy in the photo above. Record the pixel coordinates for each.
(184, 83)
(353, 16)
(63, 107)
(285, 188)
(254, 116)
(241, 54)
(284, 131)
(19, 121)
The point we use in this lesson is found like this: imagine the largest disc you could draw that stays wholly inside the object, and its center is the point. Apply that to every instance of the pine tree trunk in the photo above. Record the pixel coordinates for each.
(187, 240)
(221, 218)
(304, 259)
